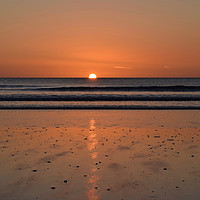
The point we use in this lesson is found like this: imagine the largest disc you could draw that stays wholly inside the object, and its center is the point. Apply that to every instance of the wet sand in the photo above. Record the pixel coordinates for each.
(95, 155)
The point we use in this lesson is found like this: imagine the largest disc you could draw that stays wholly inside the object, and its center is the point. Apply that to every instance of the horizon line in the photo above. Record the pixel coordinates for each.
(97, 77)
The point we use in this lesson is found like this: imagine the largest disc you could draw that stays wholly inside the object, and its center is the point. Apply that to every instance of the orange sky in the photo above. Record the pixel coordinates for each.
(112, 38)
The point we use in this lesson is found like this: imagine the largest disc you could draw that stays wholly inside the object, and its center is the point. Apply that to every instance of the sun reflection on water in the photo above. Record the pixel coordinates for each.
(92, 144)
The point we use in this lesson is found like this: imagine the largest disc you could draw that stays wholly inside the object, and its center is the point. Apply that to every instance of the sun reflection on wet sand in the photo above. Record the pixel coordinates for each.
(92, 192)
(128, 155)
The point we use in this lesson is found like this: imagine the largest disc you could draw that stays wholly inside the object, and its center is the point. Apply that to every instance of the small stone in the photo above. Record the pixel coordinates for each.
(49, 161)
(96, 188)
(65, 181)
(34, 170)
(165, 168)
(108, 189)
(53, 188)
(85, 175)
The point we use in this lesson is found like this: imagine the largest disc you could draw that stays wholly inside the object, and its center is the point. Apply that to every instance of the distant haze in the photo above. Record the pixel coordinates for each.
(111, 38)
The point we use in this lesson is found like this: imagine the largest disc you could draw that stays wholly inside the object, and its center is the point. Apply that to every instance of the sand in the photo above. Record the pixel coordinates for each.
(91, 155)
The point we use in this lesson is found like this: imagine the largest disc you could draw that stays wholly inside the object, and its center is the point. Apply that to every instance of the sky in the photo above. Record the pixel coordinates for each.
(111, 38)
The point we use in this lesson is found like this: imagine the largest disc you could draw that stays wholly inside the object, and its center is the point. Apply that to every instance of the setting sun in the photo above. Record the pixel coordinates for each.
(92, 76)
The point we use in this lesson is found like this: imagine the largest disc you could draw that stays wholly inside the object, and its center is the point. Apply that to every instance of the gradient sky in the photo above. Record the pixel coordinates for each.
(112, 38)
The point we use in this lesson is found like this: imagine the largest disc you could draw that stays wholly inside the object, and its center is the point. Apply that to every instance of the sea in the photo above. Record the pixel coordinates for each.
(100, 93)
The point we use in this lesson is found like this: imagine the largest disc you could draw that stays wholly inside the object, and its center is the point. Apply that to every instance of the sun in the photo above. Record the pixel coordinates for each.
(92, 76)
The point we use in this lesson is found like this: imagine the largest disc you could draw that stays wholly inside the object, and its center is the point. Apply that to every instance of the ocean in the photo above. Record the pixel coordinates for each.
(101, 93)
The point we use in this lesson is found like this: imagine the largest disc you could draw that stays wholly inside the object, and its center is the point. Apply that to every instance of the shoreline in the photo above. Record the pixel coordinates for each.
(98, 108)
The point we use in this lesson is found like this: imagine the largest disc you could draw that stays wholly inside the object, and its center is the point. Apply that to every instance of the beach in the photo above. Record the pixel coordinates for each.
(99, 100)
(99, 154)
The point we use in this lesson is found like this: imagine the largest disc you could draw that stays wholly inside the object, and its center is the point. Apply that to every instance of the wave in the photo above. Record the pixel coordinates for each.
(19, 86)
(176, 88)
(97, 107)
(99, 97)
